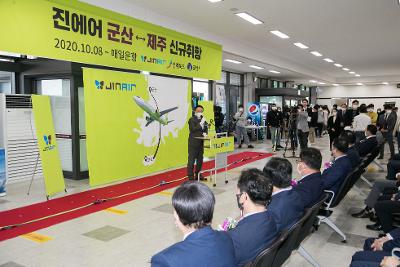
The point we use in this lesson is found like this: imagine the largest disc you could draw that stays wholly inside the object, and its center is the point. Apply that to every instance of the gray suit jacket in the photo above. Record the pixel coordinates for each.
(388, 124)
(302, 123)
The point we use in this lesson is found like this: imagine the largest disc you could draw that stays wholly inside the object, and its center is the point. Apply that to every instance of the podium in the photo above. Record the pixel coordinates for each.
(217, 146)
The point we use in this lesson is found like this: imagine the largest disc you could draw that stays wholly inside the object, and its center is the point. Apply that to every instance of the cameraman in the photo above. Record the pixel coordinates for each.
(302, 126)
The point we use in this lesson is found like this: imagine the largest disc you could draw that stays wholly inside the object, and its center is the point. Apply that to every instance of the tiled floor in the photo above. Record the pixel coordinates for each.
(130, 239)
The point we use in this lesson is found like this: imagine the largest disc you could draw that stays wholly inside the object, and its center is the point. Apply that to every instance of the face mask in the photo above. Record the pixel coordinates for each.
(388, 111)
(320, 109)
(240, 205)
(334, 114)
(355, 106)
(370, 110)
(241, 109)
(273, 108)
(198, 114)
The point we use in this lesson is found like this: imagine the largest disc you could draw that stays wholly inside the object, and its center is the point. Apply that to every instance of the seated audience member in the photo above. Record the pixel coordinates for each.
(286, 206)
(369, 143)
(375, 249)
(309, 186)
(385, 210)
(380, 190)
(256, 229)
(393, 167)
(352, 153)
(193, 204)
(333, 177)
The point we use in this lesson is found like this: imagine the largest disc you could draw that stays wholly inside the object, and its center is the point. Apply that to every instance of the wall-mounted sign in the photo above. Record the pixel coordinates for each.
(80, 32)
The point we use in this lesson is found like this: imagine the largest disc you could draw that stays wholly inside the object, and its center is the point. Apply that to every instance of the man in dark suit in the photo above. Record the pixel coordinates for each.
(386, 124)
(375, 249)
(193, 204)
(309, 186)
(197, 128)
(352, 152)
(286, 206)
(256, 229)
(369, 143)
(333, 176)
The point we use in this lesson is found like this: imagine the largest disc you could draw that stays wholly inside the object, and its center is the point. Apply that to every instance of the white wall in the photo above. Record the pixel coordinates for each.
(376, 94)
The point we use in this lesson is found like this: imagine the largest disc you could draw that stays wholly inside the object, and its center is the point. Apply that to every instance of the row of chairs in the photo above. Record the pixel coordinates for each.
(288, 241)
(280, 250)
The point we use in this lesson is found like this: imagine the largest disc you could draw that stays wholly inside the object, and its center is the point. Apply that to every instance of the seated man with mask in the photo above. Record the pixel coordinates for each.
(193, 204)
(333, 176)
(256, 229)
(309, 186)
(286, 206)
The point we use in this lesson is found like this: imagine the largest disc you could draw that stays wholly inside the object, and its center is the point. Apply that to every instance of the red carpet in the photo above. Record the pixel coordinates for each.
(68, 203)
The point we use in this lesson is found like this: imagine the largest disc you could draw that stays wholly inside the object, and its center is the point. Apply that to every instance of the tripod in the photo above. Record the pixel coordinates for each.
(292, 137)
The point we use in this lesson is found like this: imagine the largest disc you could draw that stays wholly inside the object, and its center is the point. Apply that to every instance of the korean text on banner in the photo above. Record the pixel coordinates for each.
(47, 144)
(80, 32)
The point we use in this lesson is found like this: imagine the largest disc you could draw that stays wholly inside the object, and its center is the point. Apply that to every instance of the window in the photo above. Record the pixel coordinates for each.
(5, 82)
(200, 90)
(56, 87)
(223, 77)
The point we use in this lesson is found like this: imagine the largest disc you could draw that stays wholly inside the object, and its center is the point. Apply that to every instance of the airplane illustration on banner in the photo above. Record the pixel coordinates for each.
(153, 114)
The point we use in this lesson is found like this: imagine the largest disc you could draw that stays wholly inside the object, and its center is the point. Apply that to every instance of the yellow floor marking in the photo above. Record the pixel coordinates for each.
(165, 193)
(117, 211)
(36, 237)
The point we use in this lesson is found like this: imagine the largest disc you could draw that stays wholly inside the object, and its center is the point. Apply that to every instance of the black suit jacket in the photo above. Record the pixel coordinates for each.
(310, 189)
(353, 156)
(365, 146)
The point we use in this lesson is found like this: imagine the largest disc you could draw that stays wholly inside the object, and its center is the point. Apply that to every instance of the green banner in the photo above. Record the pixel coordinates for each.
(135, 124)
(79, 32)
(47, 144)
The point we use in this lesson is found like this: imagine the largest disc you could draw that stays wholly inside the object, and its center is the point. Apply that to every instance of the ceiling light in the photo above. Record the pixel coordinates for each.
(335, 84)
(357, 75)
(280, 34)
(322, 83)
(313, 81)
(328, 60)
(352, 72)
(256, 67)
(274, 71)
(215, 1)
(359, 84)
(233, 61)
(249, 18)
(345, 69)
(316, 53)
(300, 45)
(385, 83)
(338, 65)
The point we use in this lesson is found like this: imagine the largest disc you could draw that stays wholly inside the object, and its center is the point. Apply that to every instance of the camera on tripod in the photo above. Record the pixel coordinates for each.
(292, 130)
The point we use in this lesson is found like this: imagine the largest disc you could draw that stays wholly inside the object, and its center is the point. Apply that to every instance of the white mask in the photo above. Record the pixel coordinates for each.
(334, 114)
(273, 108)
(370, 110)
(355, 106)
(198, 114)
(241, 109)
(388, 111)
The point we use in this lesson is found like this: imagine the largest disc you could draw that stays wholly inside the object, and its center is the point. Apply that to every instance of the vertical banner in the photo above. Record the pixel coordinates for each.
(254, 113)
(47, 144)
(209, 115)
(135, 124)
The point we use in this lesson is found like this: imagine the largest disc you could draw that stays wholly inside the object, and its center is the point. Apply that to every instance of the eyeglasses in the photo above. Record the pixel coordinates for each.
(239, 195)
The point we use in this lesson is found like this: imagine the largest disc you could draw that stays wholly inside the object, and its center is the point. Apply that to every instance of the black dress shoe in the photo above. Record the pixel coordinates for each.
(362, 214)
(191, 177)
(250, 146)
(279, 146)
(374, 227)
(239, 146)
(201, 177)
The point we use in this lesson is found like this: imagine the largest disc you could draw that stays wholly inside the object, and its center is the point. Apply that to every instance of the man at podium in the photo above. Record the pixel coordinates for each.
(198, 127)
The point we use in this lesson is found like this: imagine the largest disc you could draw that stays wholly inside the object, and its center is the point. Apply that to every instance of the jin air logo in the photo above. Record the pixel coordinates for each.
(47, 141)
(99, 84)
(114, 86)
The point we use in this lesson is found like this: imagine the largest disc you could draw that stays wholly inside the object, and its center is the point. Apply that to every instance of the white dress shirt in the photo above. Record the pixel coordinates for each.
(361, 122)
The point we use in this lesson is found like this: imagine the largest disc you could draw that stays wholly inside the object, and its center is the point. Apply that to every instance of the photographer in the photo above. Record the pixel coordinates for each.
(302, 126)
